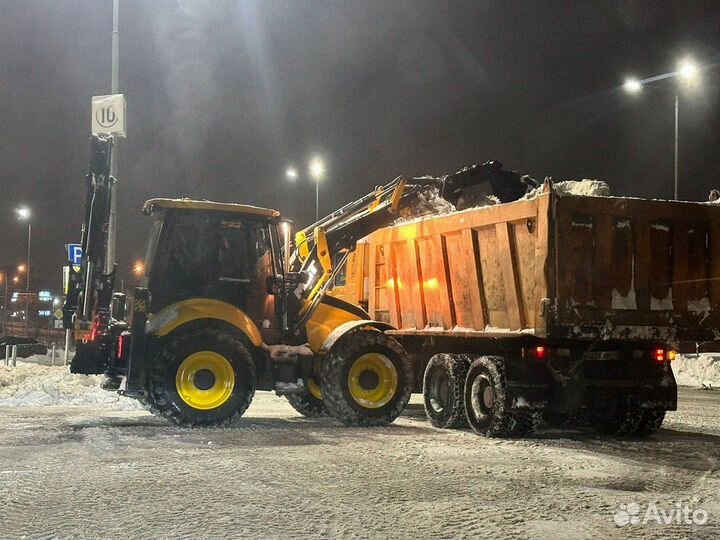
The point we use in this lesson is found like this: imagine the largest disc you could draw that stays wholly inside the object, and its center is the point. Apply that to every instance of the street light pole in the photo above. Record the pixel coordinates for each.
(687, 71)
(677, 115)
(112, 220)
(317, 171)
(27, 283)
(6, 277)
(317, 200)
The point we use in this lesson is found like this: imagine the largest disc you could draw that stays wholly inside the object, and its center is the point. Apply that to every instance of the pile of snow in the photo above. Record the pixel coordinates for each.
(35, 384)
(700, 371)
(584, 187)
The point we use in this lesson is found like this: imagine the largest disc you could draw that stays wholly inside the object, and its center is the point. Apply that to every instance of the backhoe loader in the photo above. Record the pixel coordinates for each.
(228, 302)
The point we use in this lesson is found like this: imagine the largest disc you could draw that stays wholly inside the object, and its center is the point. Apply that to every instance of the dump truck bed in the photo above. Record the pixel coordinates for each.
(575, 267)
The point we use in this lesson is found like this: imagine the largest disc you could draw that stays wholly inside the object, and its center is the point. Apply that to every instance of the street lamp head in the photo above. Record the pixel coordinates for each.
(688, 70)
(21, 268)
(317, 169)
(23, 213)
(15, 279)
(139, 268)
(291, 173)
(632, 86)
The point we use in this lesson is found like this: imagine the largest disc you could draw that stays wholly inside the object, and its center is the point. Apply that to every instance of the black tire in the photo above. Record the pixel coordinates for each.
(487, 406)
(307, 404)
(165, 398)
(344, 361)
(444, 390)
(619, 415)
(650, 422)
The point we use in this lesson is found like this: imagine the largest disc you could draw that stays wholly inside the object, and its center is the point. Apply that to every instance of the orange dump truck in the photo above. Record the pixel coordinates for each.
(552, 305)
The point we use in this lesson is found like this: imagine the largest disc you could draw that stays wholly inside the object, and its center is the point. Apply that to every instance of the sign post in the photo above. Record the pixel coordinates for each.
(109, 115)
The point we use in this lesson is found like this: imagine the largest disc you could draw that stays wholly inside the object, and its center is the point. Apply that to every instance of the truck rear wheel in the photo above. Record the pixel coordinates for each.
(205, 377)
(619, 414)
(487, 406)
(444, 390)
(309, 402)
(366, 379)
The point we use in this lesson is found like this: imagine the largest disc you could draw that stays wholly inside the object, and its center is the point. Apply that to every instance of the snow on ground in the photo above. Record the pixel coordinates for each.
(33, 382)
(88, 472)
(699, 371)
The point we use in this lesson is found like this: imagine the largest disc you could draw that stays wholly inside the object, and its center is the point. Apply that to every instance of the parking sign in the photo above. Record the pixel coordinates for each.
(75, 253)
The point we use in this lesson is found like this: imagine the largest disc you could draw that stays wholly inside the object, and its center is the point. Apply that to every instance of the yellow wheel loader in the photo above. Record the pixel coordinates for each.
(228, 303)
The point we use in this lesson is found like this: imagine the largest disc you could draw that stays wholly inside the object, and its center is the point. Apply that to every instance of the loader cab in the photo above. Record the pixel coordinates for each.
(227, 252)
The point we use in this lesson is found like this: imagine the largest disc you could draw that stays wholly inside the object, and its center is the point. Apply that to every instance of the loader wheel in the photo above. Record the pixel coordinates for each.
(486, 404)
(444, 390)
(619, 414)
(366, 379)
(310, 402)
(205, 377)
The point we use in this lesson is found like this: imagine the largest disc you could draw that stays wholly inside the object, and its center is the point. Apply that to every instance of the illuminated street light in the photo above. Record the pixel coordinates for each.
(24, 215)
(632, 86)
(15, 279)
(139, 268)
(317, 172)
(317, 169)
(688, 70)
(291, 173)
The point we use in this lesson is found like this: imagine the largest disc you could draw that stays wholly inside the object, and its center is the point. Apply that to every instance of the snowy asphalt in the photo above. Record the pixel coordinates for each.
(91, 472)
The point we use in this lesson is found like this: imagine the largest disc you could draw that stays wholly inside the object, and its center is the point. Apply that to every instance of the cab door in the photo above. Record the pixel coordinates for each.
(244, 266)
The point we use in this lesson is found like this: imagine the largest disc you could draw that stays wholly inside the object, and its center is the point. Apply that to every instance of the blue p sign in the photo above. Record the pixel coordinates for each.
(75, 253)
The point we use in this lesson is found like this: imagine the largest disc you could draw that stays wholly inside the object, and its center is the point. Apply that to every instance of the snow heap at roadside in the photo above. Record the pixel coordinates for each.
(698, 371)
(32, 384)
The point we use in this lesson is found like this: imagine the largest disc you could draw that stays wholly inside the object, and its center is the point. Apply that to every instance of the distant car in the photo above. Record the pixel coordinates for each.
(25, 346)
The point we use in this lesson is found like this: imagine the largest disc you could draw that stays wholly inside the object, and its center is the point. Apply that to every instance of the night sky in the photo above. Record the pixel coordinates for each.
(223, 96)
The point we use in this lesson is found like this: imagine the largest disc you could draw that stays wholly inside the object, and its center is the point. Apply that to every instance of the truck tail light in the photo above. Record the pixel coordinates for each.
(120, 347)
(95, 330)
(660, 355)
(538, 352)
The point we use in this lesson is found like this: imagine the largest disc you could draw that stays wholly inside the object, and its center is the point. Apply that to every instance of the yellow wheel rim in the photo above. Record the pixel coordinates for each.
(205, 380)
(372, 380)
(314, 389)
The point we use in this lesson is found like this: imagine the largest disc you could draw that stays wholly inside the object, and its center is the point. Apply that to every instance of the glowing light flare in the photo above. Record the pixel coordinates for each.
(21, 268)
(688, 70)
(23, 213)
(432, 283)
(317, 169)
(15, 279)
(291, 173)
(633, 86)
(392, 283)
(139, 268)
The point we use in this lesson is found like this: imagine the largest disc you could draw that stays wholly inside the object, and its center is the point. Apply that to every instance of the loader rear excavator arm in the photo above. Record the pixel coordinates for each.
(90, 291)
